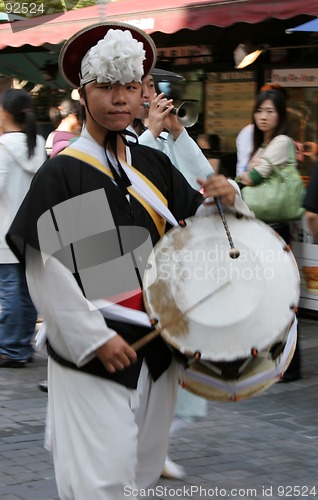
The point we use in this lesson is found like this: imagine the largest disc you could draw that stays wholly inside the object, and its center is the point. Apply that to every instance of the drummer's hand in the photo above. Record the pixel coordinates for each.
(116, 354)
(217, 185)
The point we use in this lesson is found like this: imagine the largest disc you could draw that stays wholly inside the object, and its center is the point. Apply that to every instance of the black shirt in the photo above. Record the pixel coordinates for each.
(311, 198)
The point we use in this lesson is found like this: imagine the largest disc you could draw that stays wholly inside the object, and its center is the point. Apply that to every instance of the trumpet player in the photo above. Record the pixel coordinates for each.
(159, 128)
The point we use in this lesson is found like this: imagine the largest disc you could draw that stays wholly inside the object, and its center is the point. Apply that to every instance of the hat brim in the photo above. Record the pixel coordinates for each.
(77, 46)
(163, 75)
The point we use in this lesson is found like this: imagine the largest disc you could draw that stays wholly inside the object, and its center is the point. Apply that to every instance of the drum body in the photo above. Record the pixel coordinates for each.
(231, 320)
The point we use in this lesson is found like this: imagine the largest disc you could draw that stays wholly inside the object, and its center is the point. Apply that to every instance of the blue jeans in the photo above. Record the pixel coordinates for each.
(17, 313)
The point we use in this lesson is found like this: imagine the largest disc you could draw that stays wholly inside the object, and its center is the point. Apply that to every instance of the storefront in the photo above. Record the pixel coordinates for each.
(187, 33)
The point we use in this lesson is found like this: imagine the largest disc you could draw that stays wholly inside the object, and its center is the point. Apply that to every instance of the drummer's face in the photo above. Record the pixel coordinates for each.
(110, 106)
(266, 117)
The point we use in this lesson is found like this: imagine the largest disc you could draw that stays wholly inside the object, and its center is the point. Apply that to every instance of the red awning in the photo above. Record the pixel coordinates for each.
(168, 17)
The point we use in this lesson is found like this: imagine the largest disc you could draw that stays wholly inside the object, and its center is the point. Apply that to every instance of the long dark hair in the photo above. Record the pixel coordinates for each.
(278, 99)
(18, 104)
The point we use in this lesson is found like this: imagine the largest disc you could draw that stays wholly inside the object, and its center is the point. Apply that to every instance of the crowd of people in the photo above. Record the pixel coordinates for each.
(79, 211)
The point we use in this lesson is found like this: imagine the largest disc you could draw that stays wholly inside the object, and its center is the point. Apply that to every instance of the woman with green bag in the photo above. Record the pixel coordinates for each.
(274, 190)
(272, 186)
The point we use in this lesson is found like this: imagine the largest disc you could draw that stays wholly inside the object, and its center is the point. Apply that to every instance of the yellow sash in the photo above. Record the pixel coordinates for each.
(159, 221)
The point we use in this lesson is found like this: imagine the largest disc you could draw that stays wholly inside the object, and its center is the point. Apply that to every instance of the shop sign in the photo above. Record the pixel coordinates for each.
(231, 76)
(299, 77)
(228, 104)
(190, 54)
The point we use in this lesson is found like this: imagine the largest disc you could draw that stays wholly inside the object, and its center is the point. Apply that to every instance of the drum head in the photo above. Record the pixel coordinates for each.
(206, 301)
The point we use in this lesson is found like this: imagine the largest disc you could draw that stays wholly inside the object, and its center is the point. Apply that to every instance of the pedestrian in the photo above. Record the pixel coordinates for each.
(272, 147)
(245, 137)
(311, 203)
(67, 121)
(159, 128)
(22, 152)
(94, 212)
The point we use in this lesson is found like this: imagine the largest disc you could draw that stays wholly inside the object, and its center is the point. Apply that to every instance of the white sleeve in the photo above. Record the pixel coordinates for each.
(75, 328)
(147, 139)
(184, 154)
(244, 148)
(188, 158)
(238, 207)
(5, 161)
(276, 153)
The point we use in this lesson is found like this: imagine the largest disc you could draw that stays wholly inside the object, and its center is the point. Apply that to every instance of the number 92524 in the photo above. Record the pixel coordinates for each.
(297, 491)
(25, 8)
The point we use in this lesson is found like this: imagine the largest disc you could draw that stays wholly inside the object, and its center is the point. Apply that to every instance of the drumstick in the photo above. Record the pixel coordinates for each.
(234, 253)
(157, 330)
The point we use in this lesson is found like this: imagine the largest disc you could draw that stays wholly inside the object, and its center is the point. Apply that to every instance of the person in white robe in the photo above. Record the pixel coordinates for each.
(91, 216)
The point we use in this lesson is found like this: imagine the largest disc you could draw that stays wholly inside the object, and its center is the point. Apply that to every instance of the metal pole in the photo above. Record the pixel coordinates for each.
(102, 9)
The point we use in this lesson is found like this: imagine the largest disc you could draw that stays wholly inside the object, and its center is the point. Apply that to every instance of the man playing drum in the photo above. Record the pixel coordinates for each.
(84, 232)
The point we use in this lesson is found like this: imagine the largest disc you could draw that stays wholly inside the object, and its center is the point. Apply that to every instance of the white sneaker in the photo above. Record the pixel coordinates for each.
(171, 470)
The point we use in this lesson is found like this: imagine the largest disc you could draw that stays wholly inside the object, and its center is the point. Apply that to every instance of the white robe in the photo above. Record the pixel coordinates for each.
(105, 437)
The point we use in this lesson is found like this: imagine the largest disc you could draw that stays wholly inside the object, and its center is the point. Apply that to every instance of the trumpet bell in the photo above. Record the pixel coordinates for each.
(187, 113)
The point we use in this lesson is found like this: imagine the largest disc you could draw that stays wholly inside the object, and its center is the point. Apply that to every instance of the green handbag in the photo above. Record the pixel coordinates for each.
(280, 196)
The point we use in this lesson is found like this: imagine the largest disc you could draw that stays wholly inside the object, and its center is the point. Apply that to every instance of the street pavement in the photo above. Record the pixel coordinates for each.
(263, 447)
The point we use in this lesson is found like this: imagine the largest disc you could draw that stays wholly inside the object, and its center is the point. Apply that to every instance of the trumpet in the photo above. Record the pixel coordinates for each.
(187, 113)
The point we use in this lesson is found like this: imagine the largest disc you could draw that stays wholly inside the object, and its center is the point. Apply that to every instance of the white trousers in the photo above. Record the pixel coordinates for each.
(107, 439)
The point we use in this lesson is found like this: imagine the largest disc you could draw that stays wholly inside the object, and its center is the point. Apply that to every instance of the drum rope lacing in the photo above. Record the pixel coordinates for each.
(233, 388)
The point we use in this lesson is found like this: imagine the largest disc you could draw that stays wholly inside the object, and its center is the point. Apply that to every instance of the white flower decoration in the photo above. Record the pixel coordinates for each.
(118, 57)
